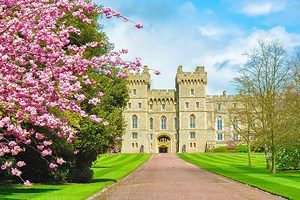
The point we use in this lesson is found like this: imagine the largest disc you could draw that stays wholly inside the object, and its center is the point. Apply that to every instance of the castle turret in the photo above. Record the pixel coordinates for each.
(191, 95)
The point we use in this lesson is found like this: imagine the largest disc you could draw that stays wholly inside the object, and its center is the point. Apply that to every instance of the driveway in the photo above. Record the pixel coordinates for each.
(167, 177)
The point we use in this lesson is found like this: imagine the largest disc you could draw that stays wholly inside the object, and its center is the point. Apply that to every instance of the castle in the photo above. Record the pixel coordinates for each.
(180, 120)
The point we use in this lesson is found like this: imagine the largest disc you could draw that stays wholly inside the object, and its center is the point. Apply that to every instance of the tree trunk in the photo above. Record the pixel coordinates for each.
(273, 162)
(267, 154)
(249, 154)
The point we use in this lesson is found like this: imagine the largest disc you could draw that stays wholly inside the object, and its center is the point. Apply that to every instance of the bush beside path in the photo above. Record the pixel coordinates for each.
(107, 170)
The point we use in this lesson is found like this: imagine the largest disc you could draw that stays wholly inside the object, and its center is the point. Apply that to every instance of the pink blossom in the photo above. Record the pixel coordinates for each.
(41, 72)
(27, 183)
(107, 73)
(95, 119)
(52, 165)
(12, 143)
(21, 163)
(9, 163)
(3, 167)
(100, 94)
(122, 75)
(46, 152)
(40, 147)
(47, 143)
(139, 26)
(75, 152)
(16, 172)
(39, 136)
(94, 101)
(105, 123)
(156, 72)
(60, 161)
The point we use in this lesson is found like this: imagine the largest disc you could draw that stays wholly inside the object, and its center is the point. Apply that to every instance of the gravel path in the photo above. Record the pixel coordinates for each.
(167, 177)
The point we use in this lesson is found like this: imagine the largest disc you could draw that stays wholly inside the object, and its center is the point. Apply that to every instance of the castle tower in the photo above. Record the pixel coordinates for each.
(136, 113)
(191, 95)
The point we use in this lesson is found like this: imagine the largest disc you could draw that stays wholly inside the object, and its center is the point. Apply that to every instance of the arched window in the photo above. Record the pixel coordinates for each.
(192, 121)
(220, 123)
(163, 139)
(235, 123)
(134, 121)
(151, 123)
(163, 123)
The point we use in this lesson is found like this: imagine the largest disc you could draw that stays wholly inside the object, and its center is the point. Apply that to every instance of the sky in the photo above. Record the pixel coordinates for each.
(211, 33)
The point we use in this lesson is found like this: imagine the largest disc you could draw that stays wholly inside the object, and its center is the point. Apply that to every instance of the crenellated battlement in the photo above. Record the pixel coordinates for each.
(162, 95)
(199, 76)
(138, 78)
(223, 97)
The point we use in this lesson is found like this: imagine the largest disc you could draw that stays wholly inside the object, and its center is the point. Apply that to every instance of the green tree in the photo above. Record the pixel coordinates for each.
(264, 78)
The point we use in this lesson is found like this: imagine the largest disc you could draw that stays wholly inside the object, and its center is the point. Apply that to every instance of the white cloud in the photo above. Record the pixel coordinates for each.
(262, 8)
(191, 41)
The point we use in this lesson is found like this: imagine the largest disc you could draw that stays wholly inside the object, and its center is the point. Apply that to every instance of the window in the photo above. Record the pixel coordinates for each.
(197, 105)
(151, 137)
(187, 105)
(129, 106)
(132, 144)
(194, 144)
(236, 137)
(140, 106)
(163, 123)
(151, 123)
(192, 92)
(134, 122)
(134, 92)
(176, 123)
(134, 136)
(163, 139)
(176, 136)
(219, 123)
(192, 121)
(163, 106)
(219, 106)
(151, 107)
(220, 136)
(192, 135)
(235, 123)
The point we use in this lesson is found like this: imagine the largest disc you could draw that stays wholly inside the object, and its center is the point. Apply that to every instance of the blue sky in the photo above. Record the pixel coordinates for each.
(210, 33)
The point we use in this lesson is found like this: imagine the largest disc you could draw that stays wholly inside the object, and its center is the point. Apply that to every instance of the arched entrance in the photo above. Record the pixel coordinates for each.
(164, 143)
(163, 149)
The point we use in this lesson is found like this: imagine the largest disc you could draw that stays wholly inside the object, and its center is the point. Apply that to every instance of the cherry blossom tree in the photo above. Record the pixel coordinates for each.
(42, 75)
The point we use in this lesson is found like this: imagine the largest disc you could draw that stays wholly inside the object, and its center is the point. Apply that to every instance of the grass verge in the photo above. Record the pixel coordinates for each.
(234, 166)
(107, 170)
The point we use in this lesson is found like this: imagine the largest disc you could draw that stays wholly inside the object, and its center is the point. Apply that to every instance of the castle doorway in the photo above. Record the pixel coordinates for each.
(163, 149)
(164, 143)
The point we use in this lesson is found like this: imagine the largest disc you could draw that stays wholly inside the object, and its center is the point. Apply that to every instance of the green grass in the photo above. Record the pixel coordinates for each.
(235, 166)
(107, 170)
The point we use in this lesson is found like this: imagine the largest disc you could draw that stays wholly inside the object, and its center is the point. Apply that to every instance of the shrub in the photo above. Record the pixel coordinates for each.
(242, 149)
(288, 158)
(222, 149)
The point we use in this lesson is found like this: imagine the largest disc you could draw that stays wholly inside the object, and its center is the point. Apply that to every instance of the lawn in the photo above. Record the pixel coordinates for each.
(234, 166)
(107, 170)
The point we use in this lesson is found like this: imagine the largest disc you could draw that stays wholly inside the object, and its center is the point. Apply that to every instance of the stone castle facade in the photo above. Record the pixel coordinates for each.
(171, 121)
